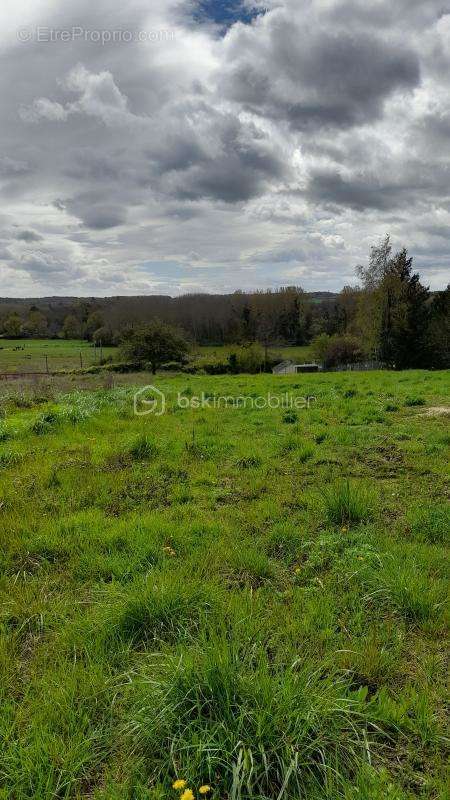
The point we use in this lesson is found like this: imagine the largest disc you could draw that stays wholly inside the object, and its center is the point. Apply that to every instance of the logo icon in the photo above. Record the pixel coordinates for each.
(149, 400)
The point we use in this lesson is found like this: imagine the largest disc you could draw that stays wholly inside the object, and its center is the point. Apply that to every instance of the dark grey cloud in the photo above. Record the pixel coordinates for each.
(238, 171)
(103, 217)
(29, 236)
(315, 78)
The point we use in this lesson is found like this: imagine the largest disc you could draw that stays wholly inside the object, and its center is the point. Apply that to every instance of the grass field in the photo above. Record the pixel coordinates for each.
(29, 355)
(250, 599)
(300, 354)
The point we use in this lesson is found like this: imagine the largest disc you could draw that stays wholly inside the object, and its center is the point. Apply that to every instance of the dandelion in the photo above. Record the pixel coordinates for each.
(297, 571)
(204, 789)
(179, 784)
(188, 794)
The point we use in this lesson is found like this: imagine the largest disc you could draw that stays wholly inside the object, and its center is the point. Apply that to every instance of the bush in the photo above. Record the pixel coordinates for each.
(247, 359)
(336, 350)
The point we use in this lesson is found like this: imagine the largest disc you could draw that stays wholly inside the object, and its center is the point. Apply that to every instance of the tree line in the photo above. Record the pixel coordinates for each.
(388, 316)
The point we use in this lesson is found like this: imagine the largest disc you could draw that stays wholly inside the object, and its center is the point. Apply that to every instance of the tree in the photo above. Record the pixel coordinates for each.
(155, 343)
(12, 326)
(379, 262)
(393, 311)
(104, 336)
(94, 321)
(35, 324)
(403, 303)
(247, 359)
(71, 328)
(438, 333)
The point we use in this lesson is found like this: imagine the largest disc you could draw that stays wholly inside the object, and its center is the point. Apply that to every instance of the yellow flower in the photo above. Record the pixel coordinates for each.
(179, 784)
(188, 794)
(204, 789)
(297, 570)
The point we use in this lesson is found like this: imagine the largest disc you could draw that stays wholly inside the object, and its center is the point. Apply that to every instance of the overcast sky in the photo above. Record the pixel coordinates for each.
(227, 145)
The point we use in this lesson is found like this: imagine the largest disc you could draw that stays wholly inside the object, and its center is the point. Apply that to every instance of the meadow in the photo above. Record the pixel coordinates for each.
(33, 355)
(249, 599)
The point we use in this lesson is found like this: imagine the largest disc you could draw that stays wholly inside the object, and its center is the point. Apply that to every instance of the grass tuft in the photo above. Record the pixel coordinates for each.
(348, 503)
(143, 449)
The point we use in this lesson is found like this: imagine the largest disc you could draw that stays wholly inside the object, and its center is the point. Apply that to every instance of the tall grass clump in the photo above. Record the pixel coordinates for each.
(253, 728)
(5, 434)
(142, 449)
(347, 503)
(46, 423)
(165, 611)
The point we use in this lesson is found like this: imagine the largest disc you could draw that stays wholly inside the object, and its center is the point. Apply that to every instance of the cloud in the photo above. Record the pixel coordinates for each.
(289, 67)
(277, 146)
(96, 215)
(12, 167)
(29, 236)
(98, 97)
(43, 109)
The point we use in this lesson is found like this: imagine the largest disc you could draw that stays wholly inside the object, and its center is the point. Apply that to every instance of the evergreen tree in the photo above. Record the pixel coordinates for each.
(403, 311)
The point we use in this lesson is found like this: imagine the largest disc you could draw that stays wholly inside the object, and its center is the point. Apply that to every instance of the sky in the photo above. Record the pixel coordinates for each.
(174, 146)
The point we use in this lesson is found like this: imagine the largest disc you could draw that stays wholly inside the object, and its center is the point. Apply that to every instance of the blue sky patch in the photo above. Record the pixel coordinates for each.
(223, 12)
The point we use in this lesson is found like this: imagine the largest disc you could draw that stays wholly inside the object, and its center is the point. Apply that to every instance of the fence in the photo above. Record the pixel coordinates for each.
(362, 367)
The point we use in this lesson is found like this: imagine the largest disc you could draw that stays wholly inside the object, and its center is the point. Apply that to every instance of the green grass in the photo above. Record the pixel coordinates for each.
(29, 355)
(295, 353)
(225, 595)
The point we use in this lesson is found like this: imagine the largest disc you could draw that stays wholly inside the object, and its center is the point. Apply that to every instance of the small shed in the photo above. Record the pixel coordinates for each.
(307, 368)
(289, 368)
(284, 368)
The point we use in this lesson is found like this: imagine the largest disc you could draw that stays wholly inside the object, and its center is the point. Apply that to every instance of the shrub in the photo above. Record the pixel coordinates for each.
(247, 359)
(336, 350)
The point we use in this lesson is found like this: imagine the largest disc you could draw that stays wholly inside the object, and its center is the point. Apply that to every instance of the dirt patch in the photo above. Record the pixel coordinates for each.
(436, 411)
